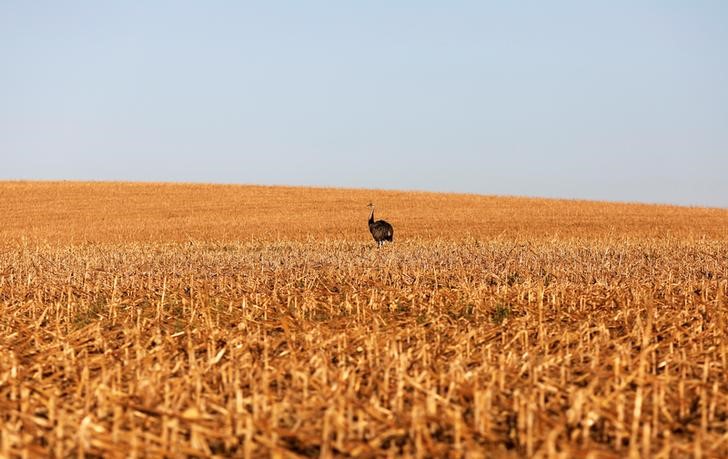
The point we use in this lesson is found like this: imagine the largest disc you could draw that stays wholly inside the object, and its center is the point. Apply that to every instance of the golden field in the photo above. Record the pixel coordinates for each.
(162, 320)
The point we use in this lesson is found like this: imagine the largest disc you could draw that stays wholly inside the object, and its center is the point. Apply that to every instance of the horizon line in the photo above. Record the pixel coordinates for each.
(333, 187)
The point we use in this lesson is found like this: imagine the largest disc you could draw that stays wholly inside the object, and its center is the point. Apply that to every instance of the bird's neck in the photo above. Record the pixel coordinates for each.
(371, 216)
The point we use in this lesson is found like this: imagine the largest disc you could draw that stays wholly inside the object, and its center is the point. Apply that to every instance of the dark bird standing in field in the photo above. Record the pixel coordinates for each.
(381, 230)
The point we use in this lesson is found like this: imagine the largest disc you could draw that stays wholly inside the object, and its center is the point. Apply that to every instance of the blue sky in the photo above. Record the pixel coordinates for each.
(617, 100)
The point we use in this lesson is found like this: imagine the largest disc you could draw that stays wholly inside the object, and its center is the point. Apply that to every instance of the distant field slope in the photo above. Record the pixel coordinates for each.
(125, 212)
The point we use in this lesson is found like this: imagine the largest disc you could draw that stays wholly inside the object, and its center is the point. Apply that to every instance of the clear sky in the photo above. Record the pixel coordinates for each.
(617, 100)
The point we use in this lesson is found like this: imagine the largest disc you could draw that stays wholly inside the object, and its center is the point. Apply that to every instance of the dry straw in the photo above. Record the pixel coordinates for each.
(160, 320)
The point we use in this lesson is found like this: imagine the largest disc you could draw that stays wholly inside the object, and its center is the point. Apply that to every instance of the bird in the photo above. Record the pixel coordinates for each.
(381, 231)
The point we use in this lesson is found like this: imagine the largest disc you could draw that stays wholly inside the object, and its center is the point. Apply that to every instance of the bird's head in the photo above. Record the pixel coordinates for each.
(370, 205)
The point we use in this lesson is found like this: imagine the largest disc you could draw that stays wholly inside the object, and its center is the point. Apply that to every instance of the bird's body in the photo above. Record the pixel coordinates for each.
(381, 231)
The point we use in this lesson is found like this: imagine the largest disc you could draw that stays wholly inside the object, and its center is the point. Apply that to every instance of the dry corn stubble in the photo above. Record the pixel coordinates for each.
(168, 320)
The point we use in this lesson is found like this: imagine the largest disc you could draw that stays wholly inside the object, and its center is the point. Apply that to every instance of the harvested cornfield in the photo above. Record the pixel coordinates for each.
(195, 320)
